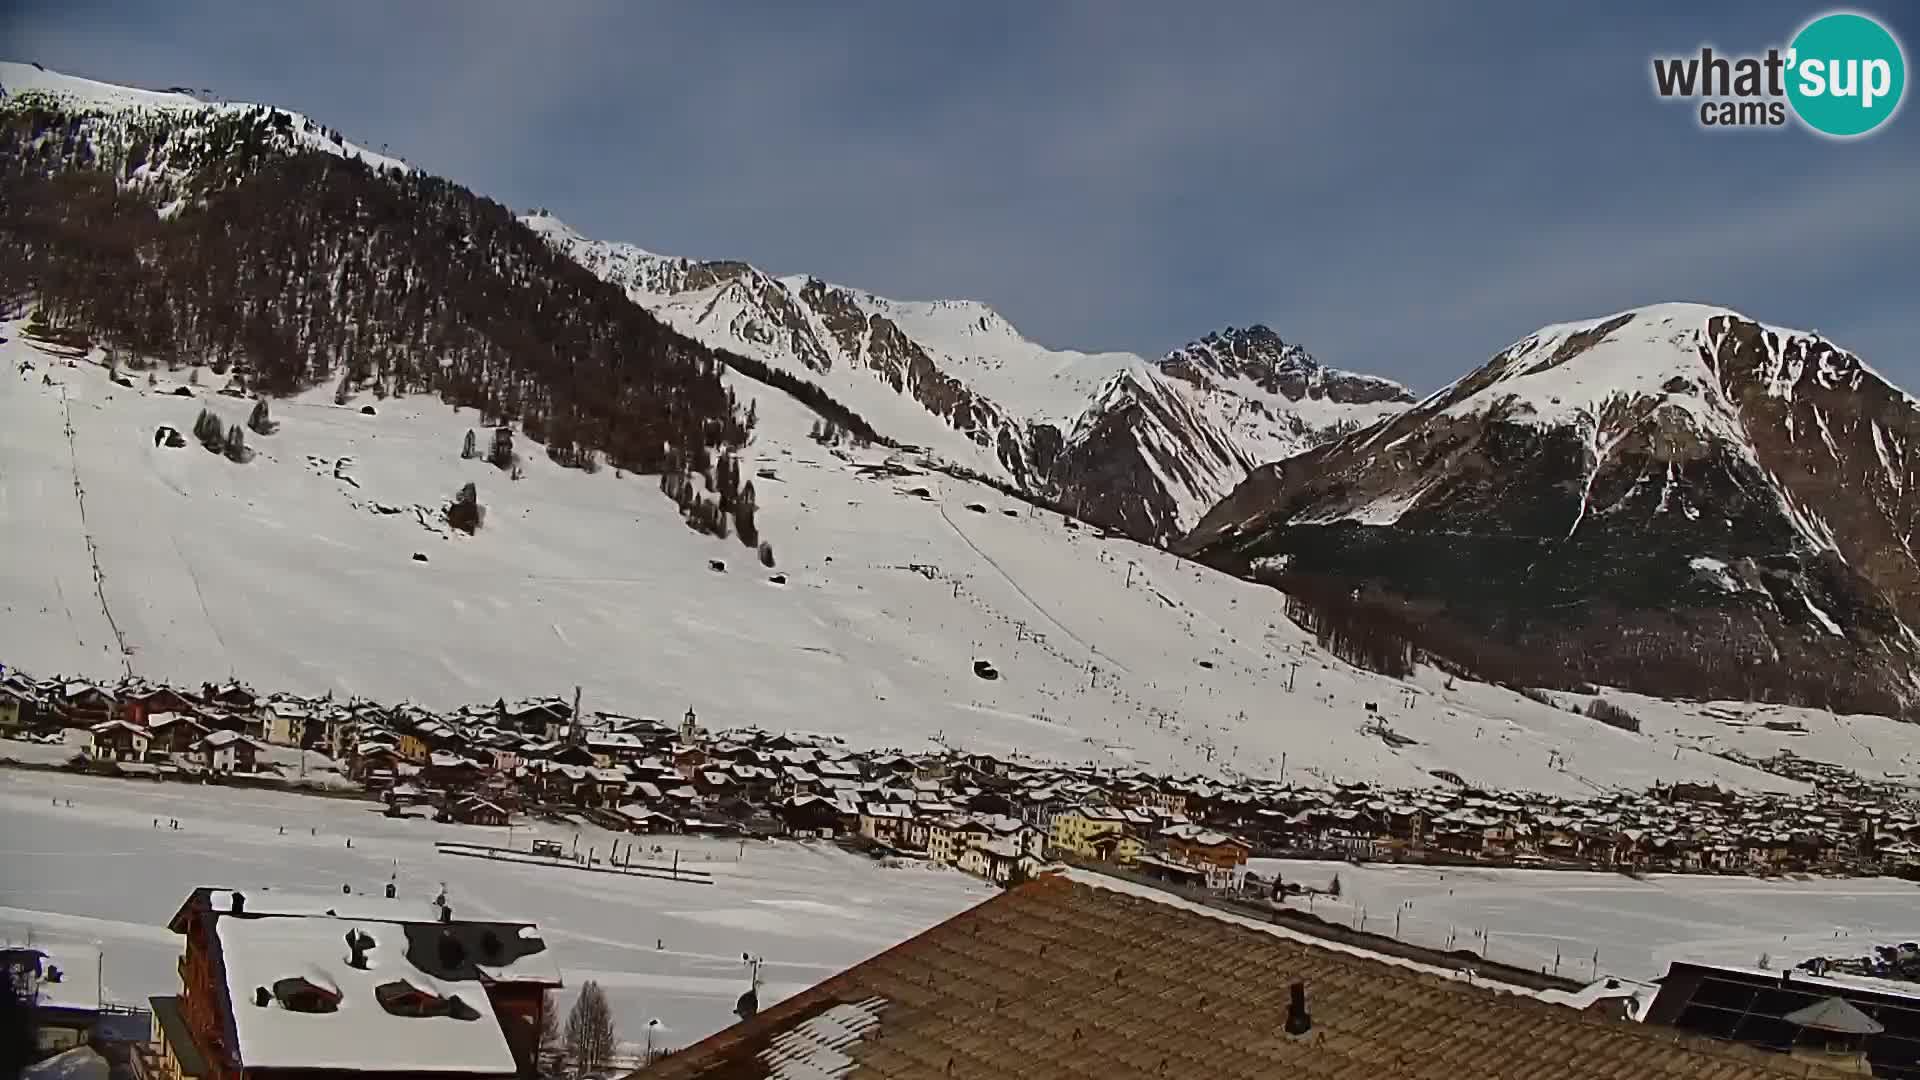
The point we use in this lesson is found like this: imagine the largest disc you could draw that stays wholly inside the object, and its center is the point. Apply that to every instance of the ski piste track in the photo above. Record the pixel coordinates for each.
(93, 549)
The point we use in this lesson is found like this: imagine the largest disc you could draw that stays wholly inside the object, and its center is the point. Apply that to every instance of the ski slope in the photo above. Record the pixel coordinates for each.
(296, 571)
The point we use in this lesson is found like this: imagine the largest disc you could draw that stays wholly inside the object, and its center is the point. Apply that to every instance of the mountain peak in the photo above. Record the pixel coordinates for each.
(1258, 355)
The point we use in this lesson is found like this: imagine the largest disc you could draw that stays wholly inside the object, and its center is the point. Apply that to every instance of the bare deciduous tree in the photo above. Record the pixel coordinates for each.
(589, 1036)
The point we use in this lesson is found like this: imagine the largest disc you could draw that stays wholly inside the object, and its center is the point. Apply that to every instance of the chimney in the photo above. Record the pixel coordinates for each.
(357, 946)
(1299, 1021)
(390, 890)
(239, 903)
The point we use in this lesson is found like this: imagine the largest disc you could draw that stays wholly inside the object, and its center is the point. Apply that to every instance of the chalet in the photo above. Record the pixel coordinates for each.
(810, 815)
(83, 704)
(1222, 858)
(450, 772)
(227, 752)
(117, 740)
(138, 706)
(412, 748)
(277, 987)
(373, 759)
(605, 787)
(571, 754)
(886, 823)
(547, 717)
(19, 708)
(174, 733)
(947, 838)
(286, 724)
(474, 810)
(715, 783)
(999, 861)
(613, 748)
(1075, 831)
(232, 696)
(837, 770)
(645, 819)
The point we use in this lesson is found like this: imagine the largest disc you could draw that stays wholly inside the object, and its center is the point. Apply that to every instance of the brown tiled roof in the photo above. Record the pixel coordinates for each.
(1061, 979)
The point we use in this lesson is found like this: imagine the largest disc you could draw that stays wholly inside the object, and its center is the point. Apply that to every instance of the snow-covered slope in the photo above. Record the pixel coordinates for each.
(1144, 448)
(1738, 496)
(297, 571)
(119, 115)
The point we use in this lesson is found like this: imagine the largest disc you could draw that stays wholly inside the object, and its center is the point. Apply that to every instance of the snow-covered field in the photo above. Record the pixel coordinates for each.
(99, 871)
(1637, 927)
(297, 571)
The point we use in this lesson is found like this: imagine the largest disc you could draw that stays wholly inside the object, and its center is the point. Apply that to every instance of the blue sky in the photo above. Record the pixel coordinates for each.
(1403, 188)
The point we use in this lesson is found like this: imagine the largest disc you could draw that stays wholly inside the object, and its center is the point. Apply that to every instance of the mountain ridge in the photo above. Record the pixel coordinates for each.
(1141, 446)
(1667, 498)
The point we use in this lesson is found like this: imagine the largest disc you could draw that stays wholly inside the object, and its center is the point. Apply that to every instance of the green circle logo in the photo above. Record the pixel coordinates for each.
(1846, 75)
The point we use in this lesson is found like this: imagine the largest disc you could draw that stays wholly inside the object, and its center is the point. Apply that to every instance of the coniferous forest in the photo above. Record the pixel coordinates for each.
(176, 241)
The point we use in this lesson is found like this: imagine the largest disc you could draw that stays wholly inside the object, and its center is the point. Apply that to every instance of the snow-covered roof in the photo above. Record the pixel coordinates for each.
(360, 1035)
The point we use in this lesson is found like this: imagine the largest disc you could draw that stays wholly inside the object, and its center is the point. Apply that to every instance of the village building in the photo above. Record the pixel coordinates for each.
(276, 987)
(117, 740)
(1094, 832)
(228, 752)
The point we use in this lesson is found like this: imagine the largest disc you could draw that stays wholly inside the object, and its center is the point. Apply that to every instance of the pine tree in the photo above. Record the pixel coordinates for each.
(465, 512)
(744, 506)
(211, 431)
(467, 449)
(501, 456)
(260, 421)
(589, 1036)
(237, 444)
(766, 554)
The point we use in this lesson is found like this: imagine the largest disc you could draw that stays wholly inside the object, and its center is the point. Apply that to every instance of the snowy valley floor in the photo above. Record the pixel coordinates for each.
(99, 871)
(1636, 926)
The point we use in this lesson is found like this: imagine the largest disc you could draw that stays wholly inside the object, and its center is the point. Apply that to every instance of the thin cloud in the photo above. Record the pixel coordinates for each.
(1400, 187)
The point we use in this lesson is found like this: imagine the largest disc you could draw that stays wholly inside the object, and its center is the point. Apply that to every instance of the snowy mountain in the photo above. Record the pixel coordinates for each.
(1143, 448)
(297, 570)
(160, 137)
(1677, 498)
(394, 318)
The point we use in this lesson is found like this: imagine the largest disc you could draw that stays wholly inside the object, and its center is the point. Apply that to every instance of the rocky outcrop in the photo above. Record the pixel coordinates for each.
(1141, 448)
(1678, 500)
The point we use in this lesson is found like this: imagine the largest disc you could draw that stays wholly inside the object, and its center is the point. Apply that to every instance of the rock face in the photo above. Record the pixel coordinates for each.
(1140, 447)
(1678, 499)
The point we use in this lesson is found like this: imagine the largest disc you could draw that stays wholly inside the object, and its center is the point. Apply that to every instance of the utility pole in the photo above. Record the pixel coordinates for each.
(578, 735)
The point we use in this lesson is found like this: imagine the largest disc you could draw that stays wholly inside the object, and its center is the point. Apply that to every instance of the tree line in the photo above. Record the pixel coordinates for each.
(286, 269)
(1371, 627)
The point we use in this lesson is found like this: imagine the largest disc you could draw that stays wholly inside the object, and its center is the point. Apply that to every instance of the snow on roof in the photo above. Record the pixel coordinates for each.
(360, 1035)
(78, 985)
(79, 1063)
(363, 906)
